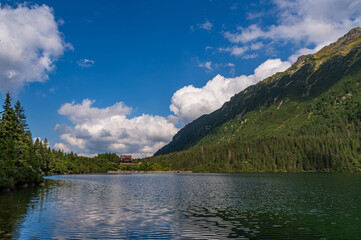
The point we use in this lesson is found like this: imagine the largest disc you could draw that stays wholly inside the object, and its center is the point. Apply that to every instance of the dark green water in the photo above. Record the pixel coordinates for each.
(186, 206)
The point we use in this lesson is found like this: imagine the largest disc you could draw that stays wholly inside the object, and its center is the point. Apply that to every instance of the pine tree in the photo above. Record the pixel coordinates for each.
(22, 128)
(8, 120)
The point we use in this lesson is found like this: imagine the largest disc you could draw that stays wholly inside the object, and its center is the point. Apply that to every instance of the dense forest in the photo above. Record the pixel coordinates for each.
(324, 153)
(307, 118)
(23, 161)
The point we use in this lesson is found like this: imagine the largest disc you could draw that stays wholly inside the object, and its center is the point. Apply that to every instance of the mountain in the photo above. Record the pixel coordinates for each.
(317, 99)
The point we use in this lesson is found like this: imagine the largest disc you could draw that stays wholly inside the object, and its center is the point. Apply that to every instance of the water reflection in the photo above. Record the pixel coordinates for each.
(178, 206)
(14, 206)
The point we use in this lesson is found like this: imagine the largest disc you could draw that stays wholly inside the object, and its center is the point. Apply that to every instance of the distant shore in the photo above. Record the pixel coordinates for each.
(123, 171)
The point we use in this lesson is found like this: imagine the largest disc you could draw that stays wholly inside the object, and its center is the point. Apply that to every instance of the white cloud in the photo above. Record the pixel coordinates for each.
(304, 51)
(240, 51)
(61, 22)
(84, 112)
(251, 33)
(256, 46)
(42, 141)
(63, 128)
(109, 129)
(310, 21)
(86, 63)
(270, 67)
(30, 43)
(206, 65)
(249, 56)
(235, 50)
(189, 102)
(173, 119)
(311, 24)
(207, 25)
(62, 147)
(254, 15)
(36, 138)
(232, 71)
(90, 155)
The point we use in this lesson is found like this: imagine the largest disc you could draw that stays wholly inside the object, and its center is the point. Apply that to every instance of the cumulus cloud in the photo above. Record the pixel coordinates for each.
(30, 43)
(189, 102)
(86, 63)
(207, 25)
(173, 119)
(62, 128)
(110, 129)
(316, 22)
(84, 112)
(62, 147)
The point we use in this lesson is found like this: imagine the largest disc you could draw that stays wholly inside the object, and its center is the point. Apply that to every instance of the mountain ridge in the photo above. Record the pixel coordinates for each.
(309, 77)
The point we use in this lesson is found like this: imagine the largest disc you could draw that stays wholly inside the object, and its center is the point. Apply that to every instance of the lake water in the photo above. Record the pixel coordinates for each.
(186, 206)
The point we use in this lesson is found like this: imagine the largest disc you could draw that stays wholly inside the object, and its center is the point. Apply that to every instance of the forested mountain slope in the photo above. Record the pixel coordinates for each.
(306, 118)
(310, 77)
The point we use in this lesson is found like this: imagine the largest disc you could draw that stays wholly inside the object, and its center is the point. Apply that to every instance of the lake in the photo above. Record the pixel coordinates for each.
(186, 206)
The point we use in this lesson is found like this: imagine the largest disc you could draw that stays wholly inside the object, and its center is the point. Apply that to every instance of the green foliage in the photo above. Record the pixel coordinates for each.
(62, 163)
(144, 166)
(328, 153)
(17, 159)
(290, 121)
(22, 161)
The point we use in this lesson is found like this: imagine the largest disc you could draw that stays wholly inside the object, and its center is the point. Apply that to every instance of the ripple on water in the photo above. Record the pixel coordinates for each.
(193, 206)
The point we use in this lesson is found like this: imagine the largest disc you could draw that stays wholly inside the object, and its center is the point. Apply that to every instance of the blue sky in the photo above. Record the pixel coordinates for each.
(124, 76)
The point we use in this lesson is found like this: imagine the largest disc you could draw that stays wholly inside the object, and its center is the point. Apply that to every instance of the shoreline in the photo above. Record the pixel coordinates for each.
(125, 171)
(6, 189)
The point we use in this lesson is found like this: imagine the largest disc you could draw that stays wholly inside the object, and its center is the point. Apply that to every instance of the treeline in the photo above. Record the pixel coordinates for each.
(270, 154)
(23, 161)
(143, 166)
(57, 162)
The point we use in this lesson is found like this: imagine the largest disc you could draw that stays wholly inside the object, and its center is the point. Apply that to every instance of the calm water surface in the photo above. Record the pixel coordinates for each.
(186, 206)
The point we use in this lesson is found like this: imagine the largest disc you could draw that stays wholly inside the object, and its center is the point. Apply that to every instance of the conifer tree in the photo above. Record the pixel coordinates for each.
(8, 119)
(22, 128)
